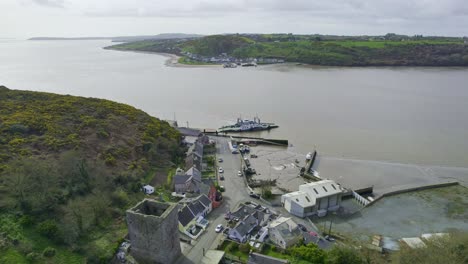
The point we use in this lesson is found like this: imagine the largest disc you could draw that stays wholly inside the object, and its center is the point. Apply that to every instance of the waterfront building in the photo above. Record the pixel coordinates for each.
(313, 198)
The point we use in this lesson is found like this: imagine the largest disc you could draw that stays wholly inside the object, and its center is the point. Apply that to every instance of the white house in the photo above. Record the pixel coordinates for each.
(148, 189)
(313, 198)
(284, 232)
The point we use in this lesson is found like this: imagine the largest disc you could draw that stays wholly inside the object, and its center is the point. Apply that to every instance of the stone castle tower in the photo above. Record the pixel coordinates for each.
(153, 231)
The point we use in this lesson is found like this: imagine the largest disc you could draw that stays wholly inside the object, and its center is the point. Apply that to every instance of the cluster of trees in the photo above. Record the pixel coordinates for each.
(448, 249)
(68, 169)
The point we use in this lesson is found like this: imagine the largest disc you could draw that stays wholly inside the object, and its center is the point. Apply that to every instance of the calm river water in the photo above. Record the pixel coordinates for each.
(409, 115)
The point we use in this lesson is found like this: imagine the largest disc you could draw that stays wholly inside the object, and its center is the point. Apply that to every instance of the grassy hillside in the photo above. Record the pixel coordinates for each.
(389, 50)
(69, 167)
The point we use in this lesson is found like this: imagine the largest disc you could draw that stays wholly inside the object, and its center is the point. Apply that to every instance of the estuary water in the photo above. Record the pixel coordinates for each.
(407, 115)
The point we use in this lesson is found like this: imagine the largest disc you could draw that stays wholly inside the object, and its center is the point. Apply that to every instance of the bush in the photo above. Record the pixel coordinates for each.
(26, 220)
(232, 247)
(49, 229)
(339, 255)
(32, 257)
(245, 248)
(119, 198)
(49, 252)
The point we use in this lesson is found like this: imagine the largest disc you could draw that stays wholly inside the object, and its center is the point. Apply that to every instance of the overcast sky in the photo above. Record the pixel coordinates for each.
(66, 18)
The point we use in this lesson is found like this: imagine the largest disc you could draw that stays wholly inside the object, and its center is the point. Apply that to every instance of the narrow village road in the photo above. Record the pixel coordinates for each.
(236, 192)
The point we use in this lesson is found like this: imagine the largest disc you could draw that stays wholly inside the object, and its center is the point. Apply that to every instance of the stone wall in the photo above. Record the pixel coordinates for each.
(153, 232)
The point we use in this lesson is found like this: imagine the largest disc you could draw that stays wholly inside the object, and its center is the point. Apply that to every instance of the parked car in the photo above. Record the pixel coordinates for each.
(254, 195)
(220, 160)
(219, 228)
(221, 188)
(221, 178)
(329, 238)
(220, 170)
(239, 173)
(302, 227)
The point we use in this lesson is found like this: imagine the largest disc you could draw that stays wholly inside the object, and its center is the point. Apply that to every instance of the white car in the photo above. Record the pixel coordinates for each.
(220, 170)
(239, 173)
(219, 228)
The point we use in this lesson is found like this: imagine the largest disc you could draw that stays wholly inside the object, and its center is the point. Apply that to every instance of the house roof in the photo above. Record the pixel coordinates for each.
(196, 174)
(302, 198)
(256, 258)
(204, 200)
(196, 207)
(198, 149)
(321, 189)
(242, 228)
(242, 211)
(286, 227)
(180, 179)
(185, 216)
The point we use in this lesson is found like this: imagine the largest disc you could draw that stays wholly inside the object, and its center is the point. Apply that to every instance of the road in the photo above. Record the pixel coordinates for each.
(236, 192)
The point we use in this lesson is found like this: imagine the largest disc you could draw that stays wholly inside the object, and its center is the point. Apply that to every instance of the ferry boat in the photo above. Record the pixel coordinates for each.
(243, 125)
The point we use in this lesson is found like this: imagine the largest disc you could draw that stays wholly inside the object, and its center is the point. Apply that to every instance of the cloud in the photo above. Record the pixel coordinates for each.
(50, 3)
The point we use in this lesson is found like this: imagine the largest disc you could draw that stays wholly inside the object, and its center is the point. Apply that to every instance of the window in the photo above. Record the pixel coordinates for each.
(333, 186)
(315, 191)
(307, 198)
(324, 188)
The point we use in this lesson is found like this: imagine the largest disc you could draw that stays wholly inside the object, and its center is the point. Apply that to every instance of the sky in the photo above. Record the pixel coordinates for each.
(78, 18)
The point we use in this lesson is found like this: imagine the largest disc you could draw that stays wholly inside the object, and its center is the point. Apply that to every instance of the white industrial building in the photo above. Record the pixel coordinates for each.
(313, 198)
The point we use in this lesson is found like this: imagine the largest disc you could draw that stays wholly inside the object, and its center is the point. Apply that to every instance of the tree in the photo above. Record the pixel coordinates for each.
(309, 252)
(343, 255)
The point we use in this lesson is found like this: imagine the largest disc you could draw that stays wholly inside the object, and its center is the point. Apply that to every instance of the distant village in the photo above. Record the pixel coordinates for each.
(224, 58)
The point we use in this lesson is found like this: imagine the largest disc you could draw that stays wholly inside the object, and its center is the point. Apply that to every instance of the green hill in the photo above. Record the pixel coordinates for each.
(388, 50)
(69, 167)
(216, 44)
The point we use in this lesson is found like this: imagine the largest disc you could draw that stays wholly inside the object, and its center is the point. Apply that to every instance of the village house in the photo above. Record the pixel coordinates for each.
(249, 218)
(192, 215)
(315, 198)
(188, 182)
(284, 232)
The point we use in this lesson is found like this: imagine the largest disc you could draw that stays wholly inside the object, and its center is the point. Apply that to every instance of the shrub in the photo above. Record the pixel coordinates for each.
(119, 198)
(245, 248)
(231, 247)
(49, 252)
(26, 220)
(33, 257)
(110, 160)
(49, 229)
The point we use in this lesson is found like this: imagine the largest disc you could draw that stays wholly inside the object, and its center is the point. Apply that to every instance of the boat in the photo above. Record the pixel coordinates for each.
(244, 125)
(249, 64)
(229, 65)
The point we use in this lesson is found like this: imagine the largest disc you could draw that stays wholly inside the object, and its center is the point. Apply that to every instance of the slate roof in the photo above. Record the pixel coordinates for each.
(256, 258)
(205, 200)
(196, 207)
(196, 174)
(242, 211)
(180, 179)
(185, 216)
(198, 150)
